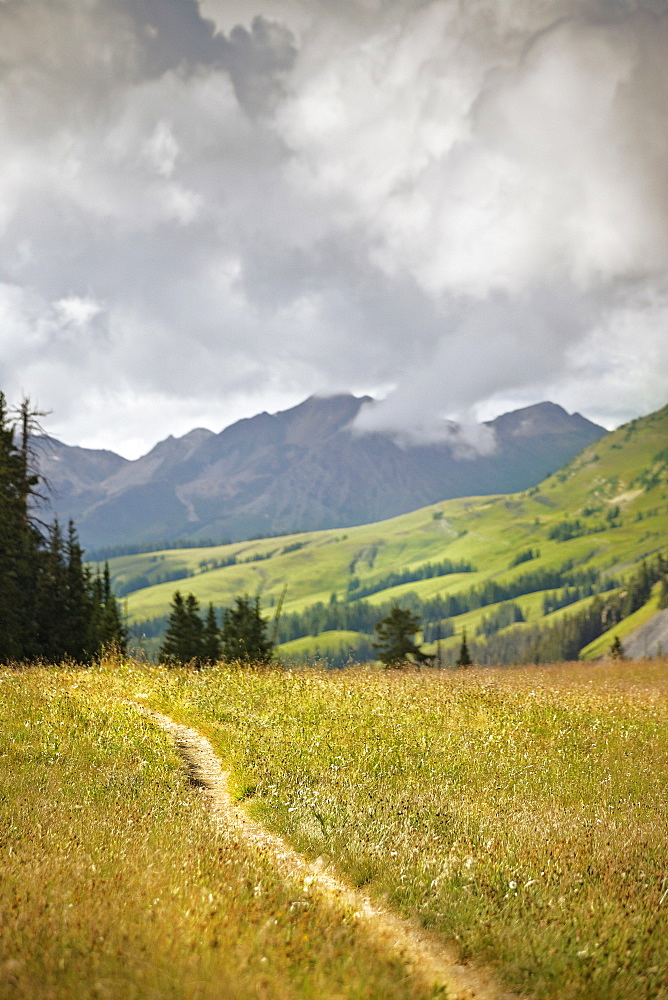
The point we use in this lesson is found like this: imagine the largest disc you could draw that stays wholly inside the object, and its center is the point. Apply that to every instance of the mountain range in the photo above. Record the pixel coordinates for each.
(305, 468)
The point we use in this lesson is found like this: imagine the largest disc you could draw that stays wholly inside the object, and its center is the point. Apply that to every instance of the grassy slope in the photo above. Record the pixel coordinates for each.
(520, 813)
(488, 531)
(326, 642)
(600, 646)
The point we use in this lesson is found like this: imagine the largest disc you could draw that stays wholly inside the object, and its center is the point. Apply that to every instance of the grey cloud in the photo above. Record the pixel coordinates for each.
(173, 34)
(451, 203)
(259, 60)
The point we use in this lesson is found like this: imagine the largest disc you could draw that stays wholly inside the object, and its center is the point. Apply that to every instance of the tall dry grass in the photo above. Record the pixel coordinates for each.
(116, 883)
(521, 813)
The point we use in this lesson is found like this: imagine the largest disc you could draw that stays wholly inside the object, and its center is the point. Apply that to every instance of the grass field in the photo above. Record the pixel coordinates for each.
(520, 813)
(116, 883)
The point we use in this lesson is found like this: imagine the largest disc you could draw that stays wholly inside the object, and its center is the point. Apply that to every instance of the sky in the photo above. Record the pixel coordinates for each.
(210, 209)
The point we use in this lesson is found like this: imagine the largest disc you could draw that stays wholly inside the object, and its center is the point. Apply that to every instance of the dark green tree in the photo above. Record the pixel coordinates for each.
(464, 658)
(244, 632)
(52, 626)
(211, 646)
(114, 633)
(396, 644)
(50, 606)
(19, 540)
(195, 632)
(184, 637)
(616, 649)
(77, 603)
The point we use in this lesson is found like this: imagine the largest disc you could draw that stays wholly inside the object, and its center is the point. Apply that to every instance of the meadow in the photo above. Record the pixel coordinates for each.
(520, 814)
(116, 883)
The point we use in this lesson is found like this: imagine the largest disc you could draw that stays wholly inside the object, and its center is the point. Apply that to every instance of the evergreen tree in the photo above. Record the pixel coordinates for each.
(106, 630)
(194, 646)
(464, 658)
(50, 606)
(244, 633)
(184, 639)
(396, 638)
(94, 630)
(19, 545)
(616, 649)
(77, 603)
(51, 632)
(211, 648)
(175, 642)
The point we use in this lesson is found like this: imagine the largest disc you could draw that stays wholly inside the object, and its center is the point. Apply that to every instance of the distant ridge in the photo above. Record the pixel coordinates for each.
(299, 469)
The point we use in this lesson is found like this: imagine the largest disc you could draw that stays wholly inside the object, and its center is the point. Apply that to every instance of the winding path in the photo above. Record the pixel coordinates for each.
(426, 958)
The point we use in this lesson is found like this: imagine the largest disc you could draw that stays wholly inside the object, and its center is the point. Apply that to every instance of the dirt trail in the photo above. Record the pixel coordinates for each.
(426, 958)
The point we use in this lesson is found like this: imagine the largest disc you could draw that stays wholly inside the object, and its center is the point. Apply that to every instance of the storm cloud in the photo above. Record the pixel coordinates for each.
(211, 209)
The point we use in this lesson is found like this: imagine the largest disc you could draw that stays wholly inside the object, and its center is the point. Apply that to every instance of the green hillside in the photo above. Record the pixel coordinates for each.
(589, 525)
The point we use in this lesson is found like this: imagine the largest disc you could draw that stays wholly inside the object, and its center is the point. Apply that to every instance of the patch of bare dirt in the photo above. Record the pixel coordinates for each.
(426, 958)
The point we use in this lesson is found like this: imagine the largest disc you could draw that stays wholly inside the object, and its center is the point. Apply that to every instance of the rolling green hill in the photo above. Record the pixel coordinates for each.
(588, 526)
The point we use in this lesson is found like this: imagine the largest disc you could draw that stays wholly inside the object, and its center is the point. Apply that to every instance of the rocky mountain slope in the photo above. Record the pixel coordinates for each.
(300, 469)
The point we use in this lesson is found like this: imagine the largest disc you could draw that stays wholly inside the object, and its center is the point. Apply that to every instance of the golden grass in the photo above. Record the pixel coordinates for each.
(520, 813)
(115, 881)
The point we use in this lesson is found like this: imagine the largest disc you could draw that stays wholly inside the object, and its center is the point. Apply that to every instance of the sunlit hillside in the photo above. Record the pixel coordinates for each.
(594, 520)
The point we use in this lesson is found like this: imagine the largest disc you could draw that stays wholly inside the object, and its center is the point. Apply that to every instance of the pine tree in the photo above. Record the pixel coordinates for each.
(50, 606)
(211, 647)
(51, 627)
(77, 600)
(244, 633)
(464, 658)
(616, 649)
(19, 543)
(174, 643)
(194, 647)
(396, 639)
(184, 639)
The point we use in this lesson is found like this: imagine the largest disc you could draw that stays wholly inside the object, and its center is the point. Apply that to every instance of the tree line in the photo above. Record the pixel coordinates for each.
(52, 606)
(564, 639)
(360, 616)
(357, 590)
(198, 641)
(243, 637)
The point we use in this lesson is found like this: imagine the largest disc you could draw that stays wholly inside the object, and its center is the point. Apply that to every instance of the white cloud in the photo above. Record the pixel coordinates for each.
(77, 311)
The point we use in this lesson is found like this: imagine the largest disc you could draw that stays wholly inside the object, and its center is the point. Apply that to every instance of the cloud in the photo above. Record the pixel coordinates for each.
(209, 209)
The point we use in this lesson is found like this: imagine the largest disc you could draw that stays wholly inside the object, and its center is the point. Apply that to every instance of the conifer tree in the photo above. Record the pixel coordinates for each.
(171, 650)
(51, 633)
(396, 638)
(50, 606)
(244, 633)
(194, 646)
(19, 545)
(77, 603)
(184, 639)
(211, 647)
(616, 649)
(464, 658)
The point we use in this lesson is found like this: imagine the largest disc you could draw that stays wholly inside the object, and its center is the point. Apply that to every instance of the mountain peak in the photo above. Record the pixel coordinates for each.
(301, 468)
(542, 418)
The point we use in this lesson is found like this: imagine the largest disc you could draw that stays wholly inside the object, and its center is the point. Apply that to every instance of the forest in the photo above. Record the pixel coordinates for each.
(52, 605)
